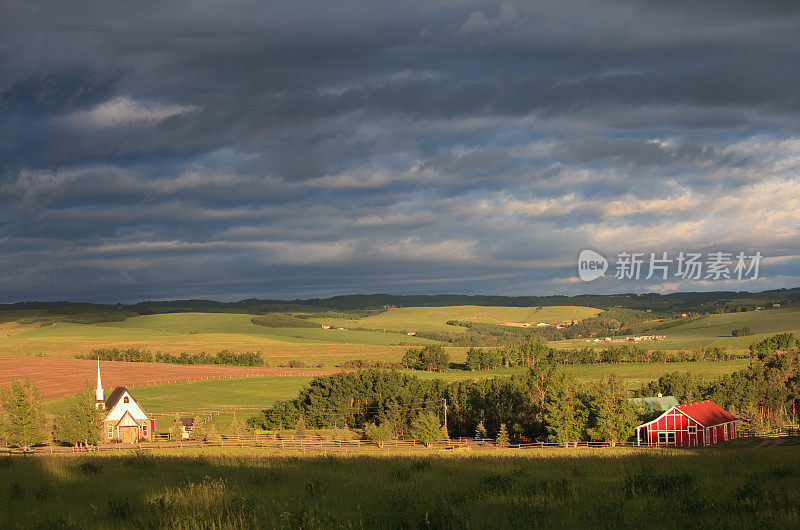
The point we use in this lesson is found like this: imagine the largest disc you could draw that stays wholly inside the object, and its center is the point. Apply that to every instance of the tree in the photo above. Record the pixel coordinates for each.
(427, 429)
(432, 358)
(199, 432)
(82, 422)
(22, 423)
(300, 428)
(379, 434)
(502, 436)
(176, 429)
(480, 432)
(238, 427)
(212, 435)
(567, 416)
(615, 417)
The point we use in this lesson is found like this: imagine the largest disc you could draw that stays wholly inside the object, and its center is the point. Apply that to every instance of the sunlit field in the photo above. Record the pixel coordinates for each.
(195, 332)
(711, 330)
(735, 485)
(435, 318)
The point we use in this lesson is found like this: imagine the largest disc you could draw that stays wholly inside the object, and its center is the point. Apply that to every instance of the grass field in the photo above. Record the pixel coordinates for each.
(435, 318)
(257, 392)
(191, 332)
(737, 484)
(211, 332)
(713, 330)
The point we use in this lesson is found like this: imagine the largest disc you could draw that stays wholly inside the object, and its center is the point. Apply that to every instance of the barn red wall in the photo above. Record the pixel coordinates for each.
(675, 421)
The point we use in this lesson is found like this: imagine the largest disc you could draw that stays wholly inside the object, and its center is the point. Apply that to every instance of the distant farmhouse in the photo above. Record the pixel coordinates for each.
(186, 427)
(125, 420)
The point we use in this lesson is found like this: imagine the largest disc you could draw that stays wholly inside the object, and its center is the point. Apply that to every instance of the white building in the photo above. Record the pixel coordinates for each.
(125, 421)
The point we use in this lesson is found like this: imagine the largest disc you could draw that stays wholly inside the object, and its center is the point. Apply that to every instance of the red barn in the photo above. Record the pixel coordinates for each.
(692, 424)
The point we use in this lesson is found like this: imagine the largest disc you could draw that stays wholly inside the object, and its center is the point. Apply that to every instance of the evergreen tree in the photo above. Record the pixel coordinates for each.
(567, 416)
(212, 435)
(300, 428)
(176, 429)
(480, 432)
(22, 423)
(238, 428)
(502, 436)
(82, 422)
(427, 429)
(615, 418)
(199, 432)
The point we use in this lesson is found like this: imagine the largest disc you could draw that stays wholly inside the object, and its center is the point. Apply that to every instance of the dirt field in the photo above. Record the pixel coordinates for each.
(63, 377)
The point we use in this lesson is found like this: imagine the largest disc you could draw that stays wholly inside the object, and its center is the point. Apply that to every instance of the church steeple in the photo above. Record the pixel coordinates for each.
(99, 402)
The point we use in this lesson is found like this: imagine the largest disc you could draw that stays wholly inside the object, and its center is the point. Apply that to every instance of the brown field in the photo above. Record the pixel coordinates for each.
(63, 377)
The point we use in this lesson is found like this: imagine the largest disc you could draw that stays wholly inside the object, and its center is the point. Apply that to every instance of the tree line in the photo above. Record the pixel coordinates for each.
(137, 355)
(530, 353)
(540, 404)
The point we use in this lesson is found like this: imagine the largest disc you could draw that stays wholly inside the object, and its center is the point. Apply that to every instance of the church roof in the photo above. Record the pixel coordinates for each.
(115, 396)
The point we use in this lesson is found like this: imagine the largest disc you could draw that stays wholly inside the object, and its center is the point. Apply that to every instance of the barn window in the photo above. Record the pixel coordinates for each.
(126, 399)
(671, 437)
(692, 429)
(144, 430)
(662, 438)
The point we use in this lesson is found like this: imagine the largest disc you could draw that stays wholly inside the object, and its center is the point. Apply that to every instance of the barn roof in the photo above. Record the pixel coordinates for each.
(706, 413)
(115, 396)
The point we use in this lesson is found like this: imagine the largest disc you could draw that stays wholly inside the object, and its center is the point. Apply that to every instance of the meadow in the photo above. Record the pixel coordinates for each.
(710, 330)
(738, 484)
(435, 318)
(262, 391)
(196, 332)
(212, 332)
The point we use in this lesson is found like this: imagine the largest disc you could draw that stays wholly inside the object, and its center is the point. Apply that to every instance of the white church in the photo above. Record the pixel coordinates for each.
(126, 421)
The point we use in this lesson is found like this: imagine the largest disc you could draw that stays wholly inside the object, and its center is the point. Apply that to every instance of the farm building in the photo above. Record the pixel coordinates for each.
(126, 421)
(692, 424)
(186, 427)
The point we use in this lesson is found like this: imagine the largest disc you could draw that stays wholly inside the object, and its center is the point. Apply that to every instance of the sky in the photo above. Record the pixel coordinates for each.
(237, 149)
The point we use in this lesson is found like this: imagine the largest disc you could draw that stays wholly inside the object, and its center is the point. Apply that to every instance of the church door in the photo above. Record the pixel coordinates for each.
(128, 434)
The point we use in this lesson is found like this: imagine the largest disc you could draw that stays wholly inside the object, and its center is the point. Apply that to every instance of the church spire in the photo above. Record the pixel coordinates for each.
(98, 393)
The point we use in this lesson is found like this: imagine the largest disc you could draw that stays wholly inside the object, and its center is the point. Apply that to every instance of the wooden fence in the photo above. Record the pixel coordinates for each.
(317, 443)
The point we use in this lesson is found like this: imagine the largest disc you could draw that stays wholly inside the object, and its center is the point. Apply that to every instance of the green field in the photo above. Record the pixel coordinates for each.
(251, 393)
(435, 318)
(712, 330)
(737, 484)
(184, 332)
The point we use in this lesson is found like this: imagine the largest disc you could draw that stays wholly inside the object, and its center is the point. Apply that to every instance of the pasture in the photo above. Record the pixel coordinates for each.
(256, 392)
(710, 330)
(191, 332)
(435, 318)
(734, 485)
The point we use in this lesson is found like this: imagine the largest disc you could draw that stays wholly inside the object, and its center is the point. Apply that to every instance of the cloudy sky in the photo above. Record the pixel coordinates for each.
(310, 148)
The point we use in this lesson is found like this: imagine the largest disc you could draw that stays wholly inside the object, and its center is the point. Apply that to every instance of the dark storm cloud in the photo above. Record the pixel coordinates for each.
(308, 148)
